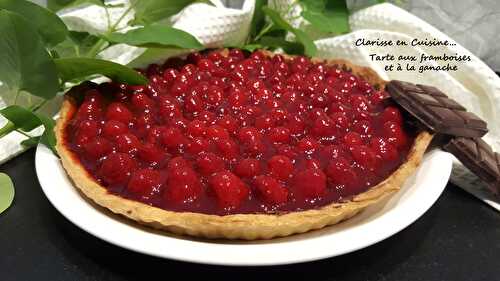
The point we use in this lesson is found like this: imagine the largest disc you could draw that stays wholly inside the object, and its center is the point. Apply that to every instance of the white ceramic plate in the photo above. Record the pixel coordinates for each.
(381, 221)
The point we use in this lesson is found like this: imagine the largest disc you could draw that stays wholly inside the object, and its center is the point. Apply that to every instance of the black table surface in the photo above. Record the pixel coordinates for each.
(457, 239)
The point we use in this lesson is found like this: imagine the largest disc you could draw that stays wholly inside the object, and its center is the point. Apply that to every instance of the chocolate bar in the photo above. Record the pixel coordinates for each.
(435, 110)
(478, 157)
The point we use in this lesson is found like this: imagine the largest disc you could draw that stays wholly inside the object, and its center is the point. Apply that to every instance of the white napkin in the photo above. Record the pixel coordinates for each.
(474, 84)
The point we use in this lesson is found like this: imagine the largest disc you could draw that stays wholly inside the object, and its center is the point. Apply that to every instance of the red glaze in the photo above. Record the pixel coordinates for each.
(239, 134)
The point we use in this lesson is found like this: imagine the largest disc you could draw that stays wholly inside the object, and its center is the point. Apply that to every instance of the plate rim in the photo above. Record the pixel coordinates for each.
(44, 154)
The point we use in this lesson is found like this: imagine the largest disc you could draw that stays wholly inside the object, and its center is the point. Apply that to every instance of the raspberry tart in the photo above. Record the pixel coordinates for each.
(226, 144)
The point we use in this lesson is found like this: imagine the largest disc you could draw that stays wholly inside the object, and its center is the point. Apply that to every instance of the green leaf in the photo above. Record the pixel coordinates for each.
(48, 137)
(33, 141)
(150, 11)
(157, 36)
(330, 16)
(27, 120)
(25, 65)
(75, 68)
(77, 44)
(301, 36)
(56, 5)
(258, 18)
(6, 192)
(251, 47)
(50, 27)
(22, 118)
(292, 48)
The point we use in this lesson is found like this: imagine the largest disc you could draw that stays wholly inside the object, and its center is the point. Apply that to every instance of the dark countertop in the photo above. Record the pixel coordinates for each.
(457, 239)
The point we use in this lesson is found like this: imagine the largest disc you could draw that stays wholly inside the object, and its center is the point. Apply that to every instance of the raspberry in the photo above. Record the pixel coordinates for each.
(229, 190)
(177, 162)
(311, 183)
(169, 107)
(280, 167)
(393, 114)
(353, 138)
(97, 148)
(248, 168)
(364, 156)
(379, 98)
(307, 145)
(280, 134)
(113, 128)
(145, 182)
(206, 117)
(116, 168)
(394, 134)
(154, 134)
(271, 190)
(193, 103)
(86, 131)
(384, 149)
(340, 171)
(363, 127)
(89, 110)
(150, 153)
(173, 138)
(227, 147)
(237, 97)
(127, 143)
(209, 163)
(214, 95)
(206, 65)
(313, 164)
(323, 126)
(141, 101)
(183, 185)
(198, 145)
(118, 112)
(229, 123)
(264, 122)
(249, 135)
(170, 74)
(196, 128)
(216, 132)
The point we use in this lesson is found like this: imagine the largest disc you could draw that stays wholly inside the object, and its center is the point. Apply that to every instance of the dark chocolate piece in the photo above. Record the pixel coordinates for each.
(478, 157)
(435, 110)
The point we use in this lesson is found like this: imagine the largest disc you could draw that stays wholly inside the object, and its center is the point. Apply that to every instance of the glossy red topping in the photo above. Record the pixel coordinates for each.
(239, 134)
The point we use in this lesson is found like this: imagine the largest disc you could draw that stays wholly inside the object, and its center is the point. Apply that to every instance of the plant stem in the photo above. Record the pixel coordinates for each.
(262, 32)
(23, 133)
(92, 53)
(38, 106)
(5, 130)
(16, 96)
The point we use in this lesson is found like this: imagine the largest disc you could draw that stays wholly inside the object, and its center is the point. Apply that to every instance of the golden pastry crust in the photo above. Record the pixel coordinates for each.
(237, 226)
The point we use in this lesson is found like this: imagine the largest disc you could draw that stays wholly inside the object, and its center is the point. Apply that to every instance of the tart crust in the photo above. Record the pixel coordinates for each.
(238, 226)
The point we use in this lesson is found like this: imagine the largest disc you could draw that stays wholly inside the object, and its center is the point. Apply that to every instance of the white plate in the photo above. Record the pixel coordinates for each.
(381, 221)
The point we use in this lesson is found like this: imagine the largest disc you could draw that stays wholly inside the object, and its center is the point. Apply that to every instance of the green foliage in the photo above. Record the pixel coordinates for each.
(6, 192)
(157, 36)
(151, 11)
(76, 68)
(77, 44)
(301, 36)
(56, 5)
(27, 120)
(258, 18)
(330, 16)
(50, 27)
(25, 64)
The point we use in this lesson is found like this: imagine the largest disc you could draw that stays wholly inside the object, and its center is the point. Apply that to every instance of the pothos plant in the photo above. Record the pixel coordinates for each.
(40, 57)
